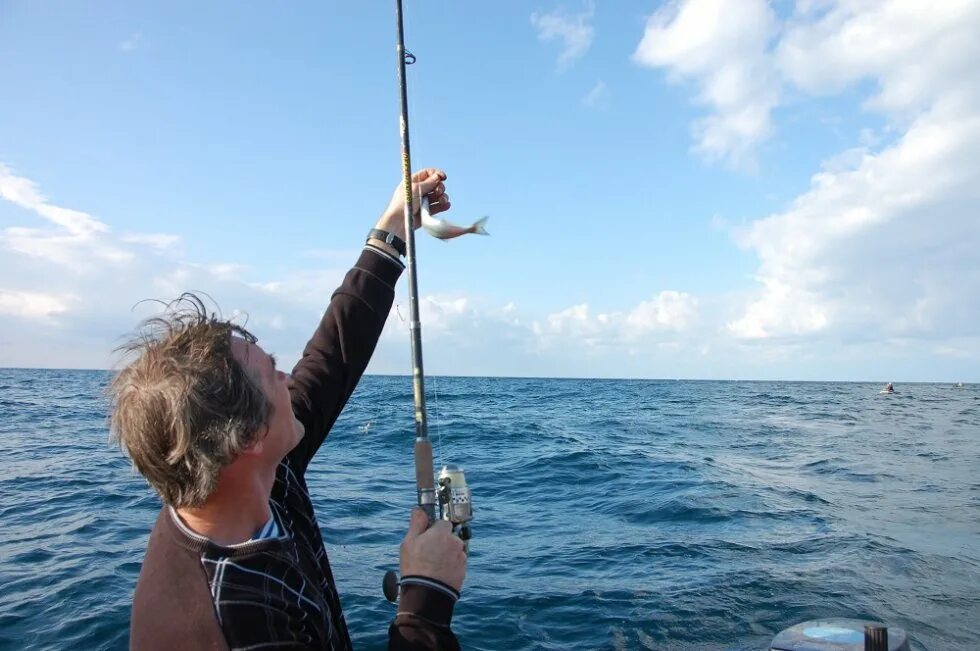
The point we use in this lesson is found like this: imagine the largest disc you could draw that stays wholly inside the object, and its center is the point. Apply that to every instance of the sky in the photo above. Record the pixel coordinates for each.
(716, 189)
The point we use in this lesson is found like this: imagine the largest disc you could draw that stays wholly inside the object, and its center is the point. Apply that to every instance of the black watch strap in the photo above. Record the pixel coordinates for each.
(388, 238)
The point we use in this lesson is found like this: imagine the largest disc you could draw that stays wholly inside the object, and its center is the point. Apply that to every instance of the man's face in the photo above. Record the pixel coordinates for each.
(285, 431)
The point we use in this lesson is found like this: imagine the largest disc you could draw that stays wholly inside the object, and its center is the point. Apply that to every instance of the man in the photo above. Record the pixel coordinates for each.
(236, 559)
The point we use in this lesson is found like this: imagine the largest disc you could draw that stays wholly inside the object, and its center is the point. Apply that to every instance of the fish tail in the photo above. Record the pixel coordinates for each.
(478, 227)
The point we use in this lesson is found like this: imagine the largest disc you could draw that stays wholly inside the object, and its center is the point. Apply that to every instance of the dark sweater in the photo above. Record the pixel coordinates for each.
(280, 593)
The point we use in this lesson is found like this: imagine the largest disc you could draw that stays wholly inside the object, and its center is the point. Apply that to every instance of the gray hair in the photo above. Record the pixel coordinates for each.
(185, 407)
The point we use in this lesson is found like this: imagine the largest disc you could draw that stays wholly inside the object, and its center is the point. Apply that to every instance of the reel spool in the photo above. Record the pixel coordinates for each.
(455, 501)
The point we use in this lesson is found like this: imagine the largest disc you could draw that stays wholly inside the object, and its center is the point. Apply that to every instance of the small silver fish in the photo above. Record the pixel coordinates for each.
(444, 230)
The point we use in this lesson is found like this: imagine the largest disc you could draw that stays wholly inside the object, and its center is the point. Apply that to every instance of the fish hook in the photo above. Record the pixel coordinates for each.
(409, 58)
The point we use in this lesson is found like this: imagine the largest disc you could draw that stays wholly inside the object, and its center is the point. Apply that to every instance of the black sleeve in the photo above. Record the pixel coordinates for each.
(425, 610)
(335, 357)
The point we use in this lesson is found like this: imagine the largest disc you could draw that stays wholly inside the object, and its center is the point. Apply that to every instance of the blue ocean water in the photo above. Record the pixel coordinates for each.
(608, 514)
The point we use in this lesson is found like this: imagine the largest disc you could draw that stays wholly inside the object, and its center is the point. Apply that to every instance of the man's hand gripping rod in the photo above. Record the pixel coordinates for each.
(455, 506)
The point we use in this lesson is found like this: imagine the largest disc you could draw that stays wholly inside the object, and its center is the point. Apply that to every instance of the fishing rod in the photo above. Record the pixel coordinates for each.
(453, 496)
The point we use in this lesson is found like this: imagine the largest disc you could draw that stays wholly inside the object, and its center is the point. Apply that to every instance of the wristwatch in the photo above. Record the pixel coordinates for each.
(388, 238)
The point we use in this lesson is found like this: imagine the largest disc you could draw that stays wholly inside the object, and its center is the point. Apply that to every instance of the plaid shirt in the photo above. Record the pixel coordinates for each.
(276, 592)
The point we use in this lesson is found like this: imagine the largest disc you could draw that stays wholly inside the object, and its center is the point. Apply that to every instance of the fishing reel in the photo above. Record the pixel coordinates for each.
(455, 502)
(455, 506)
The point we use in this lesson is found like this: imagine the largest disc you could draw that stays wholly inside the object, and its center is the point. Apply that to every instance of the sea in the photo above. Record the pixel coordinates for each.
(608, 514)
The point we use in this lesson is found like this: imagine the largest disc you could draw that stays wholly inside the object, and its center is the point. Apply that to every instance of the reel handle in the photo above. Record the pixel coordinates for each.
(389, 586)
(390, 582)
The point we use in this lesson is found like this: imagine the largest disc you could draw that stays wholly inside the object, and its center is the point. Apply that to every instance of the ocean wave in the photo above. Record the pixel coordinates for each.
(608, 514)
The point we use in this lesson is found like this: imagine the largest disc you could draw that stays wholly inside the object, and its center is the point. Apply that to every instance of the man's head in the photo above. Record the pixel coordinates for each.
(199, 396)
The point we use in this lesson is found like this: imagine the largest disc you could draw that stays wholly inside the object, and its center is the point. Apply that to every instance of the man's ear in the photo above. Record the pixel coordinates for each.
(255, 448)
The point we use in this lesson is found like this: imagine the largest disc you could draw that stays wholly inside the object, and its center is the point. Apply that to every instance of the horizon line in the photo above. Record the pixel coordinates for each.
(566, 377)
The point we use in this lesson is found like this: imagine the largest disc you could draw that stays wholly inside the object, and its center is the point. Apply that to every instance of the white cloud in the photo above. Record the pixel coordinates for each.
(570, 328)
(35, 305)
(77, 252)
(227, 270)
(722, 47)
(308, 289)
(670, 310)
(79, 240)
(76, 281)
(19, 190)
(667, 314)
(783, 309)
(574, 32)
(884, 242)
(916, 52)
(441, 313)
(131, 43)
(471, 335)
(24, 193)
(882, 247)
(888, 245)
(156, 240)
(960, 348)
(597, 96)
(449, 316)
(745, 61)
(54, 318)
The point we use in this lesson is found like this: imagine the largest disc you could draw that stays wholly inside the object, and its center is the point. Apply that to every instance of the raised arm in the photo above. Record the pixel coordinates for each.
(341, 347)
(335, 357)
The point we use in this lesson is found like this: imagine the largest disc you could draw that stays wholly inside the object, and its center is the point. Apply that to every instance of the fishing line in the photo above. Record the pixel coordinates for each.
(437, 419)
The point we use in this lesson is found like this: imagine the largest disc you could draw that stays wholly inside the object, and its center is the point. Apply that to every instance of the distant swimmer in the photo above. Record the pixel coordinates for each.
(888, 388)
